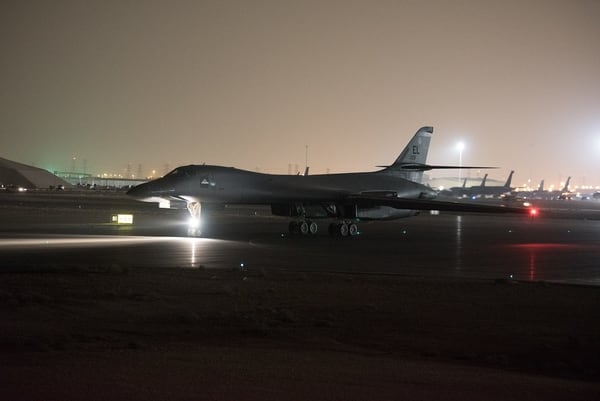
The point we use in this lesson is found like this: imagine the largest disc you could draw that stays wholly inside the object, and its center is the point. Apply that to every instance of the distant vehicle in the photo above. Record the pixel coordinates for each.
(15, 189)
(391, 193)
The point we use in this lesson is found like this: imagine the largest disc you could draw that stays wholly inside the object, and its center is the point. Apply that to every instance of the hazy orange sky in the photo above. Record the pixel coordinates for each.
(250, 84)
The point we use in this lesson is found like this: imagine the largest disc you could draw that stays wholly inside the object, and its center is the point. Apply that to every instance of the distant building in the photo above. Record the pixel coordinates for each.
(25, 176)
(83, 180)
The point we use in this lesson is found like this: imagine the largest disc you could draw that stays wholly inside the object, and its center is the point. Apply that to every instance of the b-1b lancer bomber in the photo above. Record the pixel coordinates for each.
(393, 192)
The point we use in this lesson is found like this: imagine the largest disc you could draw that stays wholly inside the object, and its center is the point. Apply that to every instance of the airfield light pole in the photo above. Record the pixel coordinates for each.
(305, 158)
(460, 147)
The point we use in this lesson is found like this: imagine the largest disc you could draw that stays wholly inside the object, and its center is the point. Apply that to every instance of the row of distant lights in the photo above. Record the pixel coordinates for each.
(132, 176)
(551, 187)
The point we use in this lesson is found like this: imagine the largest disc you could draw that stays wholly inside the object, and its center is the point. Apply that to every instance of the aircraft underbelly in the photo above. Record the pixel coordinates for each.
(384, 213)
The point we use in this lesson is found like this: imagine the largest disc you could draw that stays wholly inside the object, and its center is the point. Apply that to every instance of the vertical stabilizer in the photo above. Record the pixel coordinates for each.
(416, 150)
(414, 155)
(509, 179)
(465, 183)
(566, 187)
(483, 181)
(541, 187)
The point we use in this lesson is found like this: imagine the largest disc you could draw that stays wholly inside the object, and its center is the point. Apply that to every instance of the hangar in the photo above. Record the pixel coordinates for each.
(23, 175)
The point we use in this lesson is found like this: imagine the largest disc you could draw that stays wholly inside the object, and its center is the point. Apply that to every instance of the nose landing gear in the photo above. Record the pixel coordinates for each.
(194, 225)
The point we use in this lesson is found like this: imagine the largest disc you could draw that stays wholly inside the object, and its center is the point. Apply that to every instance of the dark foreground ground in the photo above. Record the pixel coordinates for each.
(157, 334)
(107, 326)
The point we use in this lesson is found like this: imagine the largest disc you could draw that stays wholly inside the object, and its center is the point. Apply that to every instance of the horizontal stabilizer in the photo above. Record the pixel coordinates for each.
(427, 167)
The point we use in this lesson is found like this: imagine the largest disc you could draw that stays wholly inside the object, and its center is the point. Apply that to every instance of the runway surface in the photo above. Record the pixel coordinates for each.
(46, 231)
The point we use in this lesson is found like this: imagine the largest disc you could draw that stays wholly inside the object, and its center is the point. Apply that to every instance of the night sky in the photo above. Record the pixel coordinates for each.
(250, 84)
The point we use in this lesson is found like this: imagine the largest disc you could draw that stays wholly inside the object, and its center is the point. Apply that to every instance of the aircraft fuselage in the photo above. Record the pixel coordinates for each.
(227, 185)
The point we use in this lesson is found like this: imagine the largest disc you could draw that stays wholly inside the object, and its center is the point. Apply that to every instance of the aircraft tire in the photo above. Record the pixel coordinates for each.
(312, 227)
(343, 229)
(304, 227)
(352, 229)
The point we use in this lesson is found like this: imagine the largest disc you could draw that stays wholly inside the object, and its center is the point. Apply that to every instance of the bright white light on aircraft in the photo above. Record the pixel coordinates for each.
(194, 222)
(460, 146)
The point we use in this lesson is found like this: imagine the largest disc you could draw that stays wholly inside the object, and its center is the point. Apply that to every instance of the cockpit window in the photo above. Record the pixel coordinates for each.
(179, 171)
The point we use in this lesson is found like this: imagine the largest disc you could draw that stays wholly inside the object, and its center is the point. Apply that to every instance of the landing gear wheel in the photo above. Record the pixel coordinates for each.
(343, 229)
(312, 227)
(303, 225)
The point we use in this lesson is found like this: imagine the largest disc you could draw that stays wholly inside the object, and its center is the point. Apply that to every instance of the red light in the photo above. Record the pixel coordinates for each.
(533, 212)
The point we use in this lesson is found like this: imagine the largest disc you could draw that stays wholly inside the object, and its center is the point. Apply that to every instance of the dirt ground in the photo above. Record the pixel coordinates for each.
(192, 334)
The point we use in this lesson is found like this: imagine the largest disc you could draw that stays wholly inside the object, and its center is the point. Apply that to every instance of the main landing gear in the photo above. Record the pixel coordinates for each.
(304, 227)
(343, 229)
(336, 229)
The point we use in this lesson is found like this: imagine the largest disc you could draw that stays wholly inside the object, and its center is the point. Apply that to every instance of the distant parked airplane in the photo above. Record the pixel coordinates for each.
(481, 190)
(492, 191)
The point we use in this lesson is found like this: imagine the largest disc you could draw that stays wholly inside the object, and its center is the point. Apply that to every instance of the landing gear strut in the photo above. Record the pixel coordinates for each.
(195, 209)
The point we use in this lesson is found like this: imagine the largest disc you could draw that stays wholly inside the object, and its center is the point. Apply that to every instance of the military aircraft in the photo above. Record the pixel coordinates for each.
(494, 190)
(565, 192)
(347, 198)
(539, 193)
(482, 190)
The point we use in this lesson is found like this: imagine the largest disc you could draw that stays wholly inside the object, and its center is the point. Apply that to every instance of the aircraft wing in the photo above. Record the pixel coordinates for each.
(427, 167)
(433, 204)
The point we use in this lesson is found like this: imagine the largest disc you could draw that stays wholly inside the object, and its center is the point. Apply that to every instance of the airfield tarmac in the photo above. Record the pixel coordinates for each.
(41, 230)
(431, 307)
